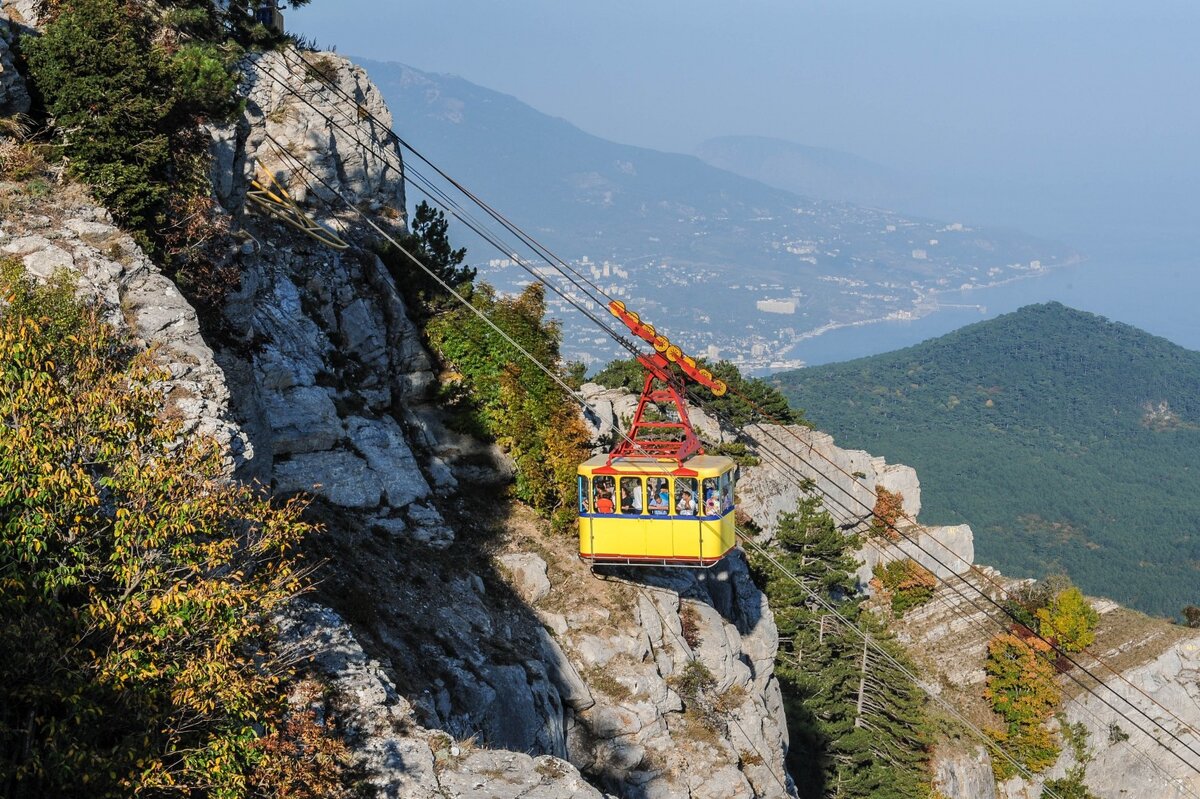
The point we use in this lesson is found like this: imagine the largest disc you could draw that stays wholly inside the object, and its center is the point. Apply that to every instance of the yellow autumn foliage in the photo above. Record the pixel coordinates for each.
(136, 582)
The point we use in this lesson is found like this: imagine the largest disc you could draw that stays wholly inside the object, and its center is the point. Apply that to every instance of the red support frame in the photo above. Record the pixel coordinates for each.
(654, 440)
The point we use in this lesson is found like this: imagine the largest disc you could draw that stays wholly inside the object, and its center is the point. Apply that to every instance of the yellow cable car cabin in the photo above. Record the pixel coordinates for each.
(633, 511)
(657, 499)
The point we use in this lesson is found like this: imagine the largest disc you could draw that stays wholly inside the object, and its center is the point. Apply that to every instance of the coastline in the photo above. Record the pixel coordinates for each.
(928, 304)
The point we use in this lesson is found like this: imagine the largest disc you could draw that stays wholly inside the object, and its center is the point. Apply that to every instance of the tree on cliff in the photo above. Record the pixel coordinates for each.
(137, 583)
(1023, 691)
(127, 91)
(427, 240)
(500, 394)
(108, 89)
(1068, 620)
(857, 724)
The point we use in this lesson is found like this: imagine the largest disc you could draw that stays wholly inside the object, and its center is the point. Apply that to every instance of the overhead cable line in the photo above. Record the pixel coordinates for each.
(391, 133)
(461, 214)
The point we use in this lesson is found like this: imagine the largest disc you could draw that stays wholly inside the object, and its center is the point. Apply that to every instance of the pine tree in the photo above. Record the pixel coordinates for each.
(856, 723)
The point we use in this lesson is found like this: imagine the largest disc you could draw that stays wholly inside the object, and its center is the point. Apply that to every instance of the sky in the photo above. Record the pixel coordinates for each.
(1079, 121)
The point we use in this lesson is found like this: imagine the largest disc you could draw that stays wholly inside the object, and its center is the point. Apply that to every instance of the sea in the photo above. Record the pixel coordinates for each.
(1157, 292)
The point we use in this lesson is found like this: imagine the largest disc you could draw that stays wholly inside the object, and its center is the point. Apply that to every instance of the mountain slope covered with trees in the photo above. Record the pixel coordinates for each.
(1070, 443)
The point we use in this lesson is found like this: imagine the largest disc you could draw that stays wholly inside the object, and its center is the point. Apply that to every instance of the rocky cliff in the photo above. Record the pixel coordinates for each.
(14, 99)
(1155, 662)
(468, 653)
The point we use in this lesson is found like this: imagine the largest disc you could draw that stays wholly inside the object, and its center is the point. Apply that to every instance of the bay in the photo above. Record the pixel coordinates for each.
(1160, 294)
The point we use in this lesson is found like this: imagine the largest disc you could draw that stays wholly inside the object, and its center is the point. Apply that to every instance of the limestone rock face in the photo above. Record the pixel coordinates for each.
(290, 111)
(14, 99)
(65, 230)
(642, 736)
(847, 477)
(529, 573)
(609, 411)
(328, 371)
(1126, 761)
(965, 775)
(945, 551)
(399, 758)
(24, 12)
(538, 655)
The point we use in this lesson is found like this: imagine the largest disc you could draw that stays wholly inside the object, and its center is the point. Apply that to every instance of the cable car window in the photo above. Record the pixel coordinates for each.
(583, 494)
(631, 495)
(712, 502)
(604, 489)
(726, 484)
(659, 496)
(685, 496)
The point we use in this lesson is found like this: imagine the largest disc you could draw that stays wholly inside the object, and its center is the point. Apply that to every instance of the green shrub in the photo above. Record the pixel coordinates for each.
(126, 98)
(203, 84)
(522, 408)
(907, 582)
(108, 89)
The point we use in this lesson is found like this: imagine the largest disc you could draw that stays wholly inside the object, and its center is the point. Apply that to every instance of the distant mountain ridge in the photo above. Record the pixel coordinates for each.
(544, 168)
(810, 171)
(1067, 441)
(723, 261)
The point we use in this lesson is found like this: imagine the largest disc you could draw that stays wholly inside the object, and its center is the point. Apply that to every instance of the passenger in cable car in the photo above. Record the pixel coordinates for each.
(664, 492)
(627, 500)
(631, 496)
(686, 493)
(604, 488)
(659, 497)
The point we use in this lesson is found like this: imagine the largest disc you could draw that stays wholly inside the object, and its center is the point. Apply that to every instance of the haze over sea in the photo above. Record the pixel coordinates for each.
(1141, 267)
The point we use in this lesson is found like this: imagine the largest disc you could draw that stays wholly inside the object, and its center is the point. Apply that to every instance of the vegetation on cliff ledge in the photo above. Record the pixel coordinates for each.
(128, 87)
(490, 388)
(136, 583)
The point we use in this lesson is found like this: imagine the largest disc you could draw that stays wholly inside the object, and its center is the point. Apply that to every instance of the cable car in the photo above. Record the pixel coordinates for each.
(657, 499)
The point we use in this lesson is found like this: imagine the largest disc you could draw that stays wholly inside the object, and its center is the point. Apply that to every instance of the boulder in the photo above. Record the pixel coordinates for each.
(529, 575)
(382, 443)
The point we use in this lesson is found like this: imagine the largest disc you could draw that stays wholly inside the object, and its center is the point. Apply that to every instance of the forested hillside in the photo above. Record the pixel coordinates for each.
(1069, 442)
